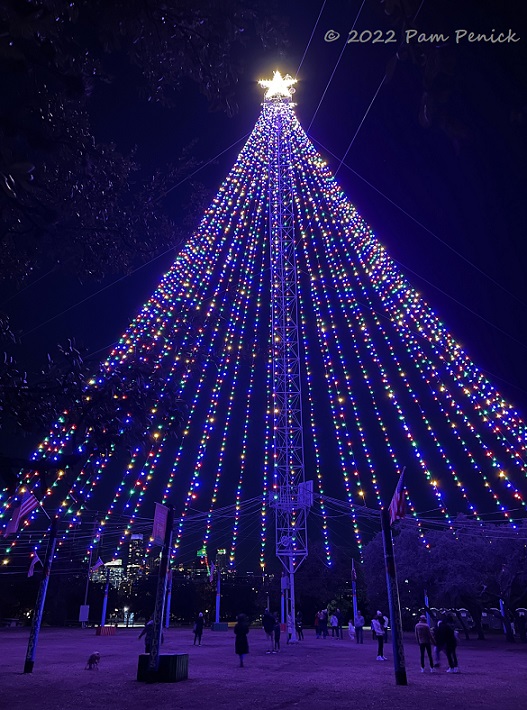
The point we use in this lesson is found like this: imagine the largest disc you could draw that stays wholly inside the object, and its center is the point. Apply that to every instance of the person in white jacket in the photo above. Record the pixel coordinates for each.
(378, 628)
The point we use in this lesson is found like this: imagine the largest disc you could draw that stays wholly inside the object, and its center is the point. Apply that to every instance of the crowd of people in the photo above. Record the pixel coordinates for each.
(441, 639)
(433, 641)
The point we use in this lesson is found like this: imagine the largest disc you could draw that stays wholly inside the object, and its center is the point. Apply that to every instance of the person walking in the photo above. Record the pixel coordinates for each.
(359, 627)
(241, 642)
(377, 626)
(423, 635)
(198, 629)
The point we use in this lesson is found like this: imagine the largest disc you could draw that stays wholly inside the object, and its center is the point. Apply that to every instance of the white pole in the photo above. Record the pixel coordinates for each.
(294, 638)
(218, 595)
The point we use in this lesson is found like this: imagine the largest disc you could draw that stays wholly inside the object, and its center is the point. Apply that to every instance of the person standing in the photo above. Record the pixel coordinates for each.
(359, 627)
(338, 614)
(423, 635)
(446, 638)
(436, 639)
(268, 627)
(290, 628)
(316, 624)
(386, 623)
(377, 626)
(520, 626)
(148, 633)
(333, 622)
(241, 643)
(198, 629)
(299, 626)
(276, 630)
(323, 623)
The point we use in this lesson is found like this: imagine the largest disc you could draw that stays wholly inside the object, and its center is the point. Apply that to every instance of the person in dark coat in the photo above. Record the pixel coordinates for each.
(268, 622)
(241, 643)
(520, 626)
(198, 629)
(445, 638)
(276, 631)
(359, 627)
(299, 626)
(323, 623)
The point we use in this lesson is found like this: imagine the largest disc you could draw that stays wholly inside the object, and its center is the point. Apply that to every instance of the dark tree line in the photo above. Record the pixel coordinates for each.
(472, 566)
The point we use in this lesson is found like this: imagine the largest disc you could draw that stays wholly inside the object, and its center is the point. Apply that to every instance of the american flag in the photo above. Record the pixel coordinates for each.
(34, 560)
(397, 509)
(96, 566)
(27, 504)
(353, 572)
(160, 524)
(212, 568)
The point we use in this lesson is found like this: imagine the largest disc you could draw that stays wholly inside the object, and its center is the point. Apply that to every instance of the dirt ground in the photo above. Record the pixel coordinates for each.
(313, 674)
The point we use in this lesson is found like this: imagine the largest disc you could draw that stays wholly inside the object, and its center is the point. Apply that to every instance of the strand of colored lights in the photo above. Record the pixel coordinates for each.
(442, 390)
(327, 232)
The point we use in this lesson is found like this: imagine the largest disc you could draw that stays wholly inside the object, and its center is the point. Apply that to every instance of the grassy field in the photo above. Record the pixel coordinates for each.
(312, 675)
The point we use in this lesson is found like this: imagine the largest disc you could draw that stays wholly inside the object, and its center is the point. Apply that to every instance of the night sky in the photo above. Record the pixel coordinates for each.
(447, 200)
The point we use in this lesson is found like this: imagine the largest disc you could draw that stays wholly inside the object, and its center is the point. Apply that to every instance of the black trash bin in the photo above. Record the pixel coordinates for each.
(173, 667)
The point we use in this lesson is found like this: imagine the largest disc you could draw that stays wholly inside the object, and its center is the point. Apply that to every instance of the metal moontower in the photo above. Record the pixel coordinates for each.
(290, 494)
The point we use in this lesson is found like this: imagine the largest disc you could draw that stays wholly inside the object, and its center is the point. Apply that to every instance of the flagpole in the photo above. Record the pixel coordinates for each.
(427, 609)
(218, 593)
(87, 583)
(153, 664)
(393, 600)
(169, 599)
(105, 600)
(283, 582)
(354, 591)
(41, 598)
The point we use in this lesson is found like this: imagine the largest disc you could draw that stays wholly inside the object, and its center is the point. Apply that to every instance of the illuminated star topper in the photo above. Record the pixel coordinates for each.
(278, 86)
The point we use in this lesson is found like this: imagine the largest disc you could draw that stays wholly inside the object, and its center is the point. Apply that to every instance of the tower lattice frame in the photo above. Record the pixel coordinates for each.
(288, 496)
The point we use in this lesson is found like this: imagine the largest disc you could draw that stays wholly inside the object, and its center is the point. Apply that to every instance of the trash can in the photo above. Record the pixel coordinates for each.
(173, 667)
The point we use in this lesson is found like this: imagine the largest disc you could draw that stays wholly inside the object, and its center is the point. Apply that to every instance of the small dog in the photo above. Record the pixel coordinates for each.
(93, 662)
